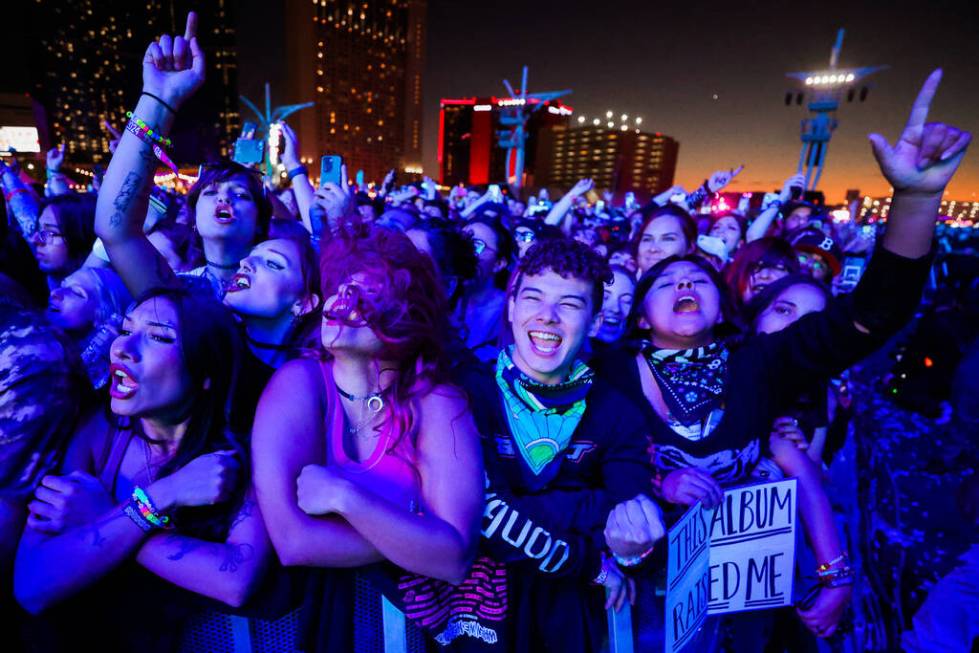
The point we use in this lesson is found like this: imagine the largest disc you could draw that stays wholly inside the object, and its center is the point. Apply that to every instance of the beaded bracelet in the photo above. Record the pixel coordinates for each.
(136, 123)
(632, 561)
(148, 511)
(133, 513)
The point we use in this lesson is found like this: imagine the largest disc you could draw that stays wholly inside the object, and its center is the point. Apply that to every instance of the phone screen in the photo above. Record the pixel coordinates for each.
(330, 169)
(249, 151)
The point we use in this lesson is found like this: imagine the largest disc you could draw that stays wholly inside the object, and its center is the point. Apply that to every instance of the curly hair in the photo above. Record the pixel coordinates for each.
(407, 311)
(569, 259)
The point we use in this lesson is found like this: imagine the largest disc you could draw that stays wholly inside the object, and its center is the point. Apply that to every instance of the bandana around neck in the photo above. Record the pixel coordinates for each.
(691, 380)
(542, 418)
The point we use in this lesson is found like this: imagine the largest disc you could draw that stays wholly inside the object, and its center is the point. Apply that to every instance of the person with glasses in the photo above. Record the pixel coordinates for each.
(481, 310)
(757, 265)
(64, 236)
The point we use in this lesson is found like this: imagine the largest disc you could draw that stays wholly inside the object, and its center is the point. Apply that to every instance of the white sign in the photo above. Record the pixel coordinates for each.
(688, 578)
(19, 139)
(752, 548)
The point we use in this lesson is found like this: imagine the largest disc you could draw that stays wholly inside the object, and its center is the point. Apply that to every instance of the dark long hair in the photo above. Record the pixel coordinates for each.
(724, 329)
(304, 335)
(210, 350)
(75, 213)
(760, 302)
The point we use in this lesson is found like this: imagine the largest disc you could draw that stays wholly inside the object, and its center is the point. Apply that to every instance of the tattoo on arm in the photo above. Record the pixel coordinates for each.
(93, 532)
(243, 513)
(130, 188)
(182, 545)
(235, 555)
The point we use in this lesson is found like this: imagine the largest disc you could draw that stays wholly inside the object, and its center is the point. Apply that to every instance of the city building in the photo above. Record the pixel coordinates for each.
(616, 153)
(468, 151)
(873, 209)
(361, 63)
(87, 56)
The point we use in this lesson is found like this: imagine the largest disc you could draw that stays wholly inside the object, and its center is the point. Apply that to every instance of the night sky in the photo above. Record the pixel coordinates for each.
(665, 61)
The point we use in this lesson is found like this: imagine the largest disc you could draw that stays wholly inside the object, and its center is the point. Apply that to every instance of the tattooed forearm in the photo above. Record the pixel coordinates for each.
(129, 190)
(182, 546)
(243, 513)
(93, 533)
(235, 555)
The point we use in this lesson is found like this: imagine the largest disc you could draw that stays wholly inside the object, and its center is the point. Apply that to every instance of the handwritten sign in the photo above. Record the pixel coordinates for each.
(752, 548)
(688, 583)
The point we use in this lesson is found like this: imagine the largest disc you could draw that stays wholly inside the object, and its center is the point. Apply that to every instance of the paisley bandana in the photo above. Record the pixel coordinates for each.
(542, 418)
(691, 380)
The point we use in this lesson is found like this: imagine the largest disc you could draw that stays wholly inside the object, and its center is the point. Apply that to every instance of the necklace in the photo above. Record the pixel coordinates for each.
(373, 403)
(212, 264)
(266, 345)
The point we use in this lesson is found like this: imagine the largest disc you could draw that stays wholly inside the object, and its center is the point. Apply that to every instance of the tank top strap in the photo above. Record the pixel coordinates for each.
(333, 416)
(116, 444)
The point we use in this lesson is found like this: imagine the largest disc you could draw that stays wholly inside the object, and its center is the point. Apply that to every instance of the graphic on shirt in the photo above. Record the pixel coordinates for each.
(470, 609)
(541, 418)
(724, 465)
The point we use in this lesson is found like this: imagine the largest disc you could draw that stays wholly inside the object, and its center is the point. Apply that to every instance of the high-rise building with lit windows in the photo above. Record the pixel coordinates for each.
(361, 63)
(87, 68)
(618, 157)
(468, 148)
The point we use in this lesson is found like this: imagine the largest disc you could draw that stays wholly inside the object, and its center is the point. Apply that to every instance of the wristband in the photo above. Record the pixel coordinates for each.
(826, 566)
(133, 513)
(295, 172)
(147, 510)
(162, 103)
(632, 561)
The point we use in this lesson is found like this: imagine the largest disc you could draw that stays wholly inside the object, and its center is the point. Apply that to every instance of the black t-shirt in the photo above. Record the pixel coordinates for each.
(548, 527)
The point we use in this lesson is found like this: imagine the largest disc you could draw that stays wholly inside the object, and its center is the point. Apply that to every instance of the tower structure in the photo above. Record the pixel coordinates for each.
(825, 90)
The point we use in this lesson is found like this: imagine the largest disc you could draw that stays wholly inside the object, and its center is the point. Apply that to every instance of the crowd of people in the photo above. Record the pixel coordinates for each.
(265, 402)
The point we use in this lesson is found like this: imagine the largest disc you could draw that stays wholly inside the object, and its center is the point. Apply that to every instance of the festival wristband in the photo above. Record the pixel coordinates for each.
(133, 513)
(603, 574)
(295, 172)
(148, 511)
(632, 561)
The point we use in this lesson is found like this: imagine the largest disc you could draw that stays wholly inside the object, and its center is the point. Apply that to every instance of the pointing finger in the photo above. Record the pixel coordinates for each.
(919, 110)
(737, 171)
(191, 29)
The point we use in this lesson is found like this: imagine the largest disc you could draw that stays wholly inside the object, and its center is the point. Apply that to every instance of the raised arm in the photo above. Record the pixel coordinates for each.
(439, 539)
(21, 200)
(288, 436)
(173, 69)
(298, 175)
(556, 216)
(759, 227)
(919, 166)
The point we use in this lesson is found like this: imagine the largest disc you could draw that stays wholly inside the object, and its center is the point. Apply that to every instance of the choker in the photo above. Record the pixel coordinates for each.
(266, 345)
(374, 400)
(223, 267)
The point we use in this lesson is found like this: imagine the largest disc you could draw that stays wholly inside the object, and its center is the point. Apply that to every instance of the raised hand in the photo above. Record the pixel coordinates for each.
(722, 178)
(55, 158)
(926, 155)
(173, 67)
(290, 147)
(582, 187)
(795, 181)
